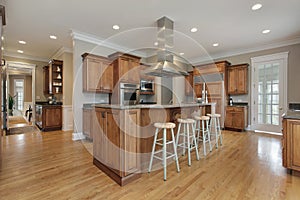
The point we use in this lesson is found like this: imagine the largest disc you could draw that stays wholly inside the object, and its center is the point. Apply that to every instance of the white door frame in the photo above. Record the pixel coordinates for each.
(31, 67)
(283, 56)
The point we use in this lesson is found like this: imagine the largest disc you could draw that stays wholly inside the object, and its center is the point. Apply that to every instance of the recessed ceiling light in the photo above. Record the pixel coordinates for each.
(256, 6)
(2, 48)
(2, 38)
(181, 54)
(116, 27)
(53, 37)
(155, 43)
(193, 30)
(266, 31)
(216, 44)
(22, 42)
(20, 51)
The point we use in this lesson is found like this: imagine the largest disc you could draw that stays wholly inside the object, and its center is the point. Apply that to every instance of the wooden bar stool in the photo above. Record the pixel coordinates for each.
(203, 127)
(186, 144)
(215, 126)
(163, 142)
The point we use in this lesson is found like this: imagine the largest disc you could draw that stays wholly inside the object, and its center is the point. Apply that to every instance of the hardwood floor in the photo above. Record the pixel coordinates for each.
(49, 165)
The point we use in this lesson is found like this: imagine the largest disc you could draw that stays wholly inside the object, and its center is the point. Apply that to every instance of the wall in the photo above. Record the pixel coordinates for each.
(293, 94)
(27, 86)
(38, 75)
(79, 98)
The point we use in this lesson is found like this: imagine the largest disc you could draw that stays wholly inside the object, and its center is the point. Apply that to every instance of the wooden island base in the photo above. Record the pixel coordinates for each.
(120, 180)
(123, 136)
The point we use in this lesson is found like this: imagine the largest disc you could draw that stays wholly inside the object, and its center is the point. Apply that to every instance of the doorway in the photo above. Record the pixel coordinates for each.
(19, 88)
(269, 92)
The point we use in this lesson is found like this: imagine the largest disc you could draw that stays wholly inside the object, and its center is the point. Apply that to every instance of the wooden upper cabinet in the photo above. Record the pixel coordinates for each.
(53, 77)
(126, 68)
(198, 90)
(97, 74)
(238, 79)
(189, 82)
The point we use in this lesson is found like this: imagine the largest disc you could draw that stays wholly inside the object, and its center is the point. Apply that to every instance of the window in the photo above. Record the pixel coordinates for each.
(19, 92)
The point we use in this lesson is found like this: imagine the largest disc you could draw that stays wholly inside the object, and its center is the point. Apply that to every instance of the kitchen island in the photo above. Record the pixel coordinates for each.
(48, 117)
(123, 135)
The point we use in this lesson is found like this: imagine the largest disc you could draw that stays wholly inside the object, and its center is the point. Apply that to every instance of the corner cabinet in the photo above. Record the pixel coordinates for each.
(291, 144)
(236, 117)
(53, 77)
(97, 74)
(238, 79)
(116, 143)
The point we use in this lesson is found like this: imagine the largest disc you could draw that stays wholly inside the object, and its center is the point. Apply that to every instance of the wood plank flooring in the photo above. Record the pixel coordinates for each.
(49, 165)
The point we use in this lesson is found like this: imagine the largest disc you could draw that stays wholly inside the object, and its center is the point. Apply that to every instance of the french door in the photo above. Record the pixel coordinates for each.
(269, 92)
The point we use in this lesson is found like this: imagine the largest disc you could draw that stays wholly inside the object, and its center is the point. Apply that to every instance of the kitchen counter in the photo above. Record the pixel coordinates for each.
(158, 106)
(291, 114)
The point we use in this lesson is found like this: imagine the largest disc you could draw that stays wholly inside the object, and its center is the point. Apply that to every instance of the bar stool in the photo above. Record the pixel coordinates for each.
(202, 126)
(186, 144)
(163, 142)
(215, 123)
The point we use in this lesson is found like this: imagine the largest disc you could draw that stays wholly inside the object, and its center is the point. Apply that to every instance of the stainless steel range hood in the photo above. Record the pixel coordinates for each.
(165, 66)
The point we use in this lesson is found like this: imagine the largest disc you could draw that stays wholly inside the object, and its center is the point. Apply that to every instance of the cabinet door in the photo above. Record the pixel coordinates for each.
(215, 88)
(134, 73)
(106, 80)
(294, 143)
(229, 117)
(52, 117)
(189, 84)
(93, 74)
(98, 131)
(238, 120)
(124, 68)
(231, 81)
(130, 141)
(241, 83)
(198, 90)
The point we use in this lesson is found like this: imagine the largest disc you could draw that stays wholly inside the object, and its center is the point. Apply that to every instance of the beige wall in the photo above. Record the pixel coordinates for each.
(38, 75)
(27, 86)
(293, 94)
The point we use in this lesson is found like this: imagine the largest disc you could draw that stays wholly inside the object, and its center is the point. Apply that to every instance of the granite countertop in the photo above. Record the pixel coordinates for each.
(45, 103)
(291, 114)
(115, 106)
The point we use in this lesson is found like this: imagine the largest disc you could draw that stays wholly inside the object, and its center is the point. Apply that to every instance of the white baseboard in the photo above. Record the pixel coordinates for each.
(67, 118)
(77, 136)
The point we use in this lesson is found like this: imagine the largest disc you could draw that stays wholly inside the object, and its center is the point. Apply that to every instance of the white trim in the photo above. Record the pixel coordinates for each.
(104, 42)
(24, 56)
(78, 136)
(266, 58)
(200, 60)
(62, 50)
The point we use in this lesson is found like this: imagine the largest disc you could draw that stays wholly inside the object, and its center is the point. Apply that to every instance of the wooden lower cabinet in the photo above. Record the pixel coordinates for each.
(291, 144)
(116, 143)
(49, 117)
(236, 117)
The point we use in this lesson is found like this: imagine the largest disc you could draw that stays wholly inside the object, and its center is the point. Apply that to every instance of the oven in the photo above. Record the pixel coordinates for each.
(129, 93)
(147, 86)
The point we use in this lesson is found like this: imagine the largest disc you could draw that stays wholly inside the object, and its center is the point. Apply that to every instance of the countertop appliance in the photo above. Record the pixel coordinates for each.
(129, 93)
(147, 85)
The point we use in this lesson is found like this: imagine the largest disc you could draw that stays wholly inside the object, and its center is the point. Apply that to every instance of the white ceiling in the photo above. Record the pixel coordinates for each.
(231, 23)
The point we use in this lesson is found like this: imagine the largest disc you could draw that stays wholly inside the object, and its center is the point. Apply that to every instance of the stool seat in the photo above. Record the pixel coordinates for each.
(201, 117)
(186, 121)
(214, 115)
(164, 125)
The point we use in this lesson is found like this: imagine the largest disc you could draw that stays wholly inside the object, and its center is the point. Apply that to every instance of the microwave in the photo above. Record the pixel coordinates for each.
(147, 86)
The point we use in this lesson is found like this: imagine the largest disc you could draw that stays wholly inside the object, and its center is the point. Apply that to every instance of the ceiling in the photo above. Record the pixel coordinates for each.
(230, 23)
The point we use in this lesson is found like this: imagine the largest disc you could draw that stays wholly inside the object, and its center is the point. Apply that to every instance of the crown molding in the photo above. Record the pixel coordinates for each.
(61, 51)
(104, 42)
(24, 56)
(200, 60)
